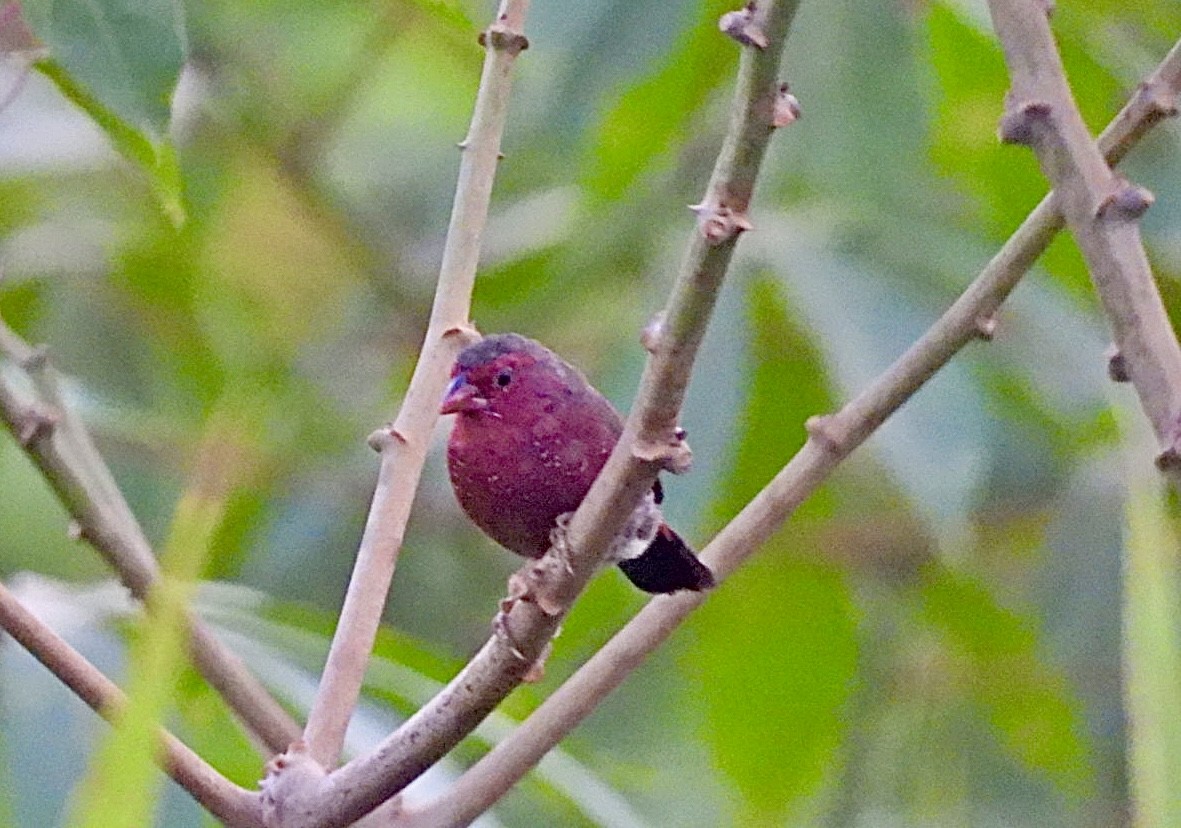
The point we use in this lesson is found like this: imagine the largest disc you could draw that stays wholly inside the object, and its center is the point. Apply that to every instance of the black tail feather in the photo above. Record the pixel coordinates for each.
(667, 565)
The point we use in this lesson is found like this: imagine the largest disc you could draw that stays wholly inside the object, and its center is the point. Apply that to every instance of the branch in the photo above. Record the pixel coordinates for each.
(55, 438)
(1101, 210)
(403, 445)
(233, 805)
(832, 440)
(651, 442)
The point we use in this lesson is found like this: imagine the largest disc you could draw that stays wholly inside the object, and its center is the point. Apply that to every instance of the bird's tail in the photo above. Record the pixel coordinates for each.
(667, 565)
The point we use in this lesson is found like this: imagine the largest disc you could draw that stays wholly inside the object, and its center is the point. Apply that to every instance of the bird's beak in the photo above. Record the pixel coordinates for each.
(461, 396)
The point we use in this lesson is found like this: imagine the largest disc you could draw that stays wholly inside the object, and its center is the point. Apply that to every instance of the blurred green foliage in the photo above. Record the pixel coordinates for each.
(934, 639)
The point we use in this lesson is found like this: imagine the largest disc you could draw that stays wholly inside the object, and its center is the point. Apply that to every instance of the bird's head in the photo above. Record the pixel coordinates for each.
(490, 372)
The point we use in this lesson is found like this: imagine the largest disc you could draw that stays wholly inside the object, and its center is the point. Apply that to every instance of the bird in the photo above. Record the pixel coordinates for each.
(530, 436)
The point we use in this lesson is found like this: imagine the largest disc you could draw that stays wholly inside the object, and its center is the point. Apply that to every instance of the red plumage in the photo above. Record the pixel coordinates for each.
(531, 436)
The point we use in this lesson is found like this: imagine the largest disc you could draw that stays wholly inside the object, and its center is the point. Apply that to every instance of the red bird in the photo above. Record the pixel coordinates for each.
(530, 438)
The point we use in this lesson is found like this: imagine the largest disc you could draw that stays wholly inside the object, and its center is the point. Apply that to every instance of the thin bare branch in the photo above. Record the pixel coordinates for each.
(234, 806)
(55, 438)
(1102, 211)
(403, 445)
(495, 774)
(651, 442)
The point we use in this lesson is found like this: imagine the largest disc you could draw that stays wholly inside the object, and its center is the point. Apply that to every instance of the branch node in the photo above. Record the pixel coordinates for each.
(787, 107)
(1158, 97)
(1117, 366)
(1018, 122)
(719, 223)
(36, 424)
(1127, 203)
(672, 455)
(1169, 459)
(745, 26)
(650, 336)
(37, 359)
(823, 430)
(986, 326)
(501, 38)
(292, 787)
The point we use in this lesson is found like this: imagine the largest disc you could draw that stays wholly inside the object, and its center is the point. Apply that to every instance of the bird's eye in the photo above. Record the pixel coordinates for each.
(504, 378)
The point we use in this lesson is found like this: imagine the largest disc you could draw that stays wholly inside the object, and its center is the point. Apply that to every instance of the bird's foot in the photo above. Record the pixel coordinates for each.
(522, 587)
(500, 624)
(559, 544)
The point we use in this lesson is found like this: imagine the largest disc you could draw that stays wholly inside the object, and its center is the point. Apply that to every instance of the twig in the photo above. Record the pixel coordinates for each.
(651, 442)
(54, 437)
(403, 445)
(490, 778)
(1102, 211)
(233, 805)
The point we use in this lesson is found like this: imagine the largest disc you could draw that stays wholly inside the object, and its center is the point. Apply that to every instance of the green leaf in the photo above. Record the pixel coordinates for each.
(283, 641)
(1152, 646)
(1028, 702)
(786, 385)
(119, 61)
(155, 156)
(776, 660)
(127, 54)
(122, 786)
(645, 121)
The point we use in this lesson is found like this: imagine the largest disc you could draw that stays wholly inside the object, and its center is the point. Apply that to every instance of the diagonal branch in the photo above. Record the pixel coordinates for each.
(54, 437)
(403, 445)
(651, 442)
(502, 767)
(1102, 211)
(235, 806)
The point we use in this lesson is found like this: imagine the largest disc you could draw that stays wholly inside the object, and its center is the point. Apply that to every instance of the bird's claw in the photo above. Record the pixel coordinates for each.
(520, 588)
(559, 545)
(500, 630)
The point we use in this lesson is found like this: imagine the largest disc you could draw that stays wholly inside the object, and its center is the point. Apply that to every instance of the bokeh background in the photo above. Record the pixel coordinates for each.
(936, 638)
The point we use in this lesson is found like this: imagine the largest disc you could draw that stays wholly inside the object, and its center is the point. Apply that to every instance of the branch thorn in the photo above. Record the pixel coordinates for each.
(1117, 366)
(986, 327)
(822, 428)
(1017, 124)
(787, 107)
(745, 26)
(1169, 459)
(36, 424)
(384, 437)
(673, 456)
(1158, 97)
(501, 38)
(650, 336)
(1128, 202)
(720, 224)
(37, 359)
(467, 334)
